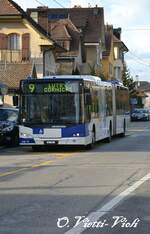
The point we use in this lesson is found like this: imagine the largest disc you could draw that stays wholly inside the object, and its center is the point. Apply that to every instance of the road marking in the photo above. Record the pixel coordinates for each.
(46, 163)
(62, 156)
(94, 216)
(42, 164)
(12, 172)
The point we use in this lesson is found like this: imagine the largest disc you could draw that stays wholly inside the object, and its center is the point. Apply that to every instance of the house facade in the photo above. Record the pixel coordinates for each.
(113, 56)
(87, 29)
(143, 87)
(68, 36)
(23, 45)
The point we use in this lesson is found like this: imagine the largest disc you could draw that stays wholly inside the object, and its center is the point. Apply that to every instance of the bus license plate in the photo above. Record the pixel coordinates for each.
(50, 142)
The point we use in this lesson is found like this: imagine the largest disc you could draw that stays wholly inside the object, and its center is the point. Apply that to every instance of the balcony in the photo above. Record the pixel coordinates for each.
(14, 56)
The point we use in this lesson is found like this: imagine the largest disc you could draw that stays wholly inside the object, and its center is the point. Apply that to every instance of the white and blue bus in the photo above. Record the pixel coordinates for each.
(71, 110)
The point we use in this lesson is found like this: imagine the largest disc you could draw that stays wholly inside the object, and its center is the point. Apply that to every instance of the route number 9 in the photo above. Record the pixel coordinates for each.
(31, 88)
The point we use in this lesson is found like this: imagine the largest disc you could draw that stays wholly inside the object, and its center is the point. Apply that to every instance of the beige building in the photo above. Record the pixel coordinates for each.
(113, 56)
(26, 49)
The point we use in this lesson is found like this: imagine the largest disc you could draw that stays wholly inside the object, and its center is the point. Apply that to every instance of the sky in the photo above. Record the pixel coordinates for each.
(131, 15)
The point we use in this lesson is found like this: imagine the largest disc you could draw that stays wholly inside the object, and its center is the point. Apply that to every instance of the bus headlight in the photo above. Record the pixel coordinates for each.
(76, 134)
(25, 135)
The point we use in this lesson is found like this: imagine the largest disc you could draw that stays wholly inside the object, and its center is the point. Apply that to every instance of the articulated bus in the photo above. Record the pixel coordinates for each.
(71, 110)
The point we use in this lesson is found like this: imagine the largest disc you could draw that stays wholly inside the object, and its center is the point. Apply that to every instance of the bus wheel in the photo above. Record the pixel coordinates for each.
(109, 138)
(91, 145)
(124, 130)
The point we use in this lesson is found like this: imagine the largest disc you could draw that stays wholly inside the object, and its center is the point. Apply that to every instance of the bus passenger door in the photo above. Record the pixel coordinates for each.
(102, 113)
(114, 109)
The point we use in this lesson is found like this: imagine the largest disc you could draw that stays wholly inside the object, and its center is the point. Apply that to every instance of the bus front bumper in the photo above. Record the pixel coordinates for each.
(60, 141)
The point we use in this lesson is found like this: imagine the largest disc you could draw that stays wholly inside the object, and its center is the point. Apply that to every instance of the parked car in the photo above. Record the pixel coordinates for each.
(9, 126)
(1, 135)
(140, 114)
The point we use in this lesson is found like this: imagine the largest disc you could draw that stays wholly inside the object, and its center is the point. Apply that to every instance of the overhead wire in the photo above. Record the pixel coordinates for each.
(57, 2)
(39, 2)
(42, 4)
(139, 59)
(137, 29)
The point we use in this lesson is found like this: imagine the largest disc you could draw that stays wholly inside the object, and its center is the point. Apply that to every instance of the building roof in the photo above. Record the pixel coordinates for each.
(7, 8)
(139, 93)
(64, 30)
(61, 29)
(143, 85)
(83, 18)
(13, 73)
(116, 40)
(108, 43)
(10, 8)
(109, 38)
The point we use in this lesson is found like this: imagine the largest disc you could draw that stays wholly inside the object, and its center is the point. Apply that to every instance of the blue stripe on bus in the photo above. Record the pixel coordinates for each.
(76, 131)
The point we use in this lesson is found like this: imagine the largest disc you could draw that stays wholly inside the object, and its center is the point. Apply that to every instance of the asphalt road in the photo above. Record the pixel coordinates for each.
(107, 187)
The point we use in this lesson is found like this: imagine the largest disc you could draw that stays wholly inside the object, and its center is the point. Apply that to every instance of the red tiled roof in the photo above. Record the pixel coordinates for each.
(14, 73)
(7, 8)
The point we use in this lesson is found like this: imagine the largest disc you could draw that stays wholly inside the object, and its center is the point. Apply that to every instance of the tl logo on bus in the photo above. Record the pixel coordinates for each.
(39, 131)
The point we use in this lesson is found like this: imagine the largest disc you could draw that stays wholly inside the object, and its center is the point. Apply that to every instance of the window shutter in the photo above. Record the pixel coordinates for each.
(26, 46)
(3, 41)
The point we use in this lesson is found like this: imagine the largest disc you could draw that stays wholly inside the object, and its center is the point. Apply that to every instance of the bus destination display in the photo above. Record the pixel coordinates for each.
(58, 87)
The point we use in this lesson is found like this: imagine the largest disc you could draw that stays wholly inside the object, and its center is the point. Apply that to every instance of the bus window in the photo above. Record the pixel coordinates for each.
(108, 92)
(88, 105)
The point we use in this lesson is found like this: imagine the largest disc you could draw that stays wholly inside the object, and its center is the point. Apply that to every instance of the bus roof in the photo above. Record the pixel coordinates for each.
(95, 79)
(78, 77)
(91, 78)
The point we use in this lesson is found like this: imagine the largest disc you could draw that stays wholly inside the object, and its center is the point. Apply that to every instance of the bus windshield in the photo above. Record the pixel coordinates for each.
(55, 109)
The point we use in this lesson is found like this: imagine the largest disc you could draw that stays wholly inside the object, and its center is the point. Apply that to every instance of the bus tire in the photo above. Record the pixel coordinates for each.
(123, 134)
(109, 138)
(91, 145)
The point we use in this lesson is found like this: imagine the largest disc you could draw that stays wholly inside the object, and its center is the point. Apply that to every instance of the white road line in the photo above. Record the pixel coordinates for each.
(94, 216)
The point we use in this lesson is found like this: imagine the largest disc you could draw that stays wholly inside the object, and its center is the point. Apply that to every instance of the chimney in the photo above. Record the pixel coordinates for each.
(117, 32)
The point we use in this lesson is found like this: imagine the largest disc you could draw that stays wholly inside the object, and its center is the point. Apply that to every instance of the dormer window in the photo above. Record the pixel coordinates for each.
(13, 41)
(65, 44)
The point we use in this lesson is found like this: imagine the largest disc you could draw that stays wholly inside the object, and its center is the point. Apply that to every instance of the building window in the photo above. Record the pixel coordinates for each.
(15, 100)
(117, 73)
(116, 52)
(13, 41)
(34, 16)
